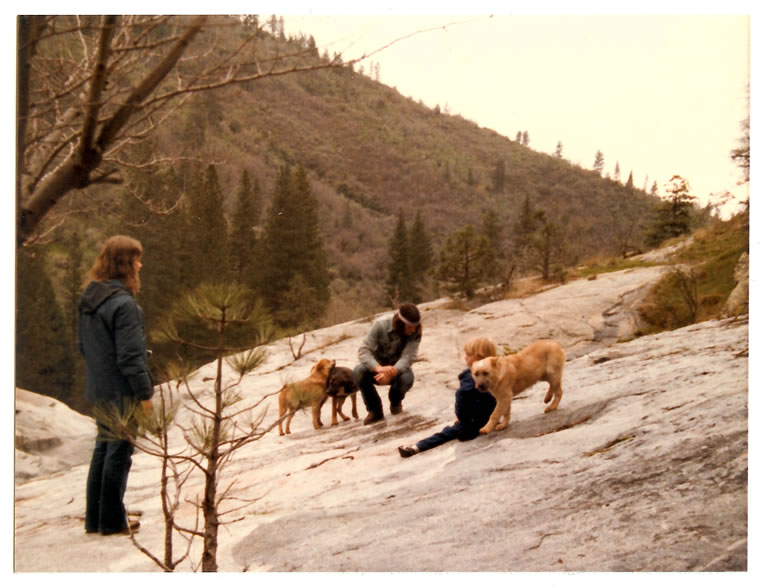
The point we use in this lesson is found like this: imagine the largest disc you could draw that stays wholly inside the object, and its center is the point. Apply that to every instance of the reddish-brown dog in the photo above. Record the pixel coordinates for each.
(311, 391)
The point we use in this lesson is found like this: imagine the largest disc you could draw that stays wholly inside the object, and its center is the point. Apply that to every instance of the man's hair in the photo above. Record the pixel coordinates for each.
(407, 314)
(116, 260)
(480, 348)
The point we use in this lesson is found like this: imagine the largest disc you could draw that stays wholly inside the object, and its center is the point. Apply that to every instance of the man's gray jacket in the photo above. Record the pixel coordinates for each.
(384, 347)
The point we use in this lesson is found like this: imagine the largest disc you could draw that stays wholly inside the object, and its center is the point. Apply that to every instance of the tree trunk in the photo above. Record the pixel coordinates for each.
(210, 512)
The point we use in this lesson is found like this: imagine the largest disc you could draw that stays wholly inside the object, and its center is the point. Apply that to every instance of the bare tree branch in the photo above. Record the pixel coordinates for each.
(89, 87)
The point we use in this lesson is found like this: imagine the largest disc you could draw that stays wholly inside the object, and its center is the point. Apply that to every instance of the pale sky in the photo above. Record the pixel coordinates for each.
(657, 94)
(657, 90)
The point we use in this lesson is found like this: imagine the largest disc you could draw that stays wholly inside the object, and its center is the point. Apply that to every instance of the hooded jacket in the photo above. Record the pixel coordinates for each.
(112, 341)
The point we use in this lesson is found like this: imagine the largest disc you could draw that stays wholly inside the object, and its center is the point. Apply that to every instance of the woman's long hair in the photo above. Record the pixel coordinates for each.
(116, 260)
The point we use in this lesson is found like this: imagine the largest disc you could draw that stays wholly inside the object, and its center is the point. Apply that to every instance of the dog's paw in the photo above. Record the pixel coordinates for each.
(484, 431)
(500, 426)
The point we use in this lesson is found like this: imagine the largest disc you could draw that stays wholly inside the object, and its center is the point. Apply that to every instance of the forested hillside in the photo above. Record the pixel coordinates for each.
(306, 187)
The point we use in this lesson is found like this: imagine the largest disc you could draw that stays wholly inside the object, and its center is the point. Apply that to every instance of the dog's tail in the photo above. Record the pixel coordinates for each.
(282, 402)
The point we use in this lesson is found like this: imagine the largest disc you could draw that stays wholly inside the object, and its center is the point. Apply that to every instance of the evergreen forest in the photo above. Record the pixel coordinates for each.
(326, 193)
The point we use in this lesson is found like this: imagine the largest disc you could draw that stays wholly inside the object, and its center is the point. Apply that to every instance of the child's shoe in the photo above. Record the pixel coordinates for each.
(408, 451)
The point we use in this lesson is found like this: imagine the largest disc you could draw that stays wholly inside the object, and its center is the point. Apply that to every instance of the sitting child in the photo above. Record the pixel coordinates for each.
(472, 407)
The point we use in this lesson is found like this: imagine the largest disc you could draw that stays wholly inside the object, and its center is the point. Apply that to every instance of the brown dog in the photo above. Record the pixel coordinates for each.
(311, 391)
(506, 376)
(340, 385)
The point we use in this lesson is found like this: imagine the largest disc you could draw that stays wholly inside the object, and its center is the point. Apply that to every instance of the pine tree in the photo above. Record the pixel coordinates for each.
(674, 218)
(740, 155)
(207, 229)
(72, 284)
(216, 249)
(297, 306)
(72, 289)
(599, 162)
(279, 242)
(548, 245)
(167, 241)
(314, 262)
(523, 230)
(399, 286)
(629, 183)
(44, 358)
(194, 212)
(492, 231)
(420, 248)
(463, 260)
(558, 150)
(219, 429)
(292, 245)
(243, 247)
(616, 176)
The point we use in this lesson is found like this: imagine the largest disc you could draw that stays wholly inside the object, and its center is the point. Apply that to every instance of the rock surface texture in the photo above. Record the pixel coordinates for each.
(738, 301)
(644, 466)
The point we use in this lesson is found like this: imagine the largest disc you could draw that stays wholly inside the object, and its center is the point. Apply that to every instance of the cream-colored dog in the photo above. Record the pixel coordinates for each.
(506, 376)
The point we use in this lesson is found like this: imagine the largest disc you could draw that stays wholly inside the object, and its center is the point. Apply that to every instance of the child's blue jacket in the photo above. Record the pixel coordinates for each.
(472, 407)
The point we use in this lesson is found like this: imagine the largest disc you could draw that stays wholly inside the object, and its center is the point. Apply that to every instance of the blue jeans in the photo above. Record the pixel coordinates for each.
(457, 431)
(365, 380)
(107, 483)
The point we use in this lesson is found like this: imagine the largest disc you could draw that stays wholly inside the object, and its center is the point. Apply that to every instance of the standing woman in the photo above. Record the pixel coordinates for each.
(112, 341)
(385, 358)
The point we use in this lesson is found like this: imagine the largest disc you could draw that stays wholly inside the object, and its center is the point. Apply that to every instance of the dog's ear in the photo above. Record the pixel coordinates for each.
(484, 366)
(319, 366)
(324, 366)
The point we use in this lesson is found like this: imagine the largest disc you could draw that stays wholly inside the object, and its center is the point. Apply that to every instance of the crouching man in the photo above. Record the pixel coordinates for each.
(385, 358)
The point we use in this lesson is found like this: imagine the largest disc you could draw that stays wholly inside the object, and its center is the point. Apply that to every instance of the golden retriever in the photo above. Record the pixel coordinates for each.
(506, 376)
(311, 391)
(340, 385)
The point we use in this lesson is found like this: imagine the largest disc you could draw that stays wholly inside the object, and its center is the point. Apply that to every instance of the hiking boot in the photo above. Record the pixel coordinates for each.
(373, 417)
(408, 451)
(134, 526)
(396, 409)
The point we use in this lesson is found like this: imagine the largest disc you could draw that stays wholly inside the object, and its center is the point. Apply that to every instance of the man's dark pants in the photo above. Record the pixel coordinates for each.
(365, 380)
